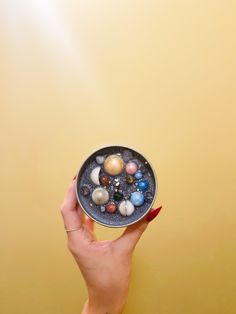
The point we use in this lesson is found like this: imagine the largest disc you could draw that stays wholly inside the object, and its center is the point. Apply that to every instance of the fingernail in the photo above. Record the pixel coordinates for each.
(151, 215)
(74, 178)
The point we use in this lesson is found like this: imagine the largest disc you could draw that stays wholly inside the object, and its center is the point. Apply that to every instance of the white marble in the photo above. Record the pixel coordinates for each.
(126, 208)
(100, 196)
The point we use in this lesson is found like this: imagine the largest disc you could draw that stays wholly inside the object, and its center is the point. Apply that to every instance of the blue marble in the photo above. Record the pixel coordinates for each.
(138, 175)
(137, 198)
(143, 185)
(102, 209)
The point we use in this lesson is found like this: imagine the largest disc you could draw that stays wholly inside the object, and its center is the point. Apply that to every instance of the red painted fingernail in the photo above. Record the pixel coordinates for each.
(153, 214)
(74, 178)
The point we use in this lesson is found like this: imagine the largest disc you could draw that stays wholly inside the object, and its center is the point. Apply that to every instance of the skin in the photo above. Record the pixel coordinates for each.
(105, 265)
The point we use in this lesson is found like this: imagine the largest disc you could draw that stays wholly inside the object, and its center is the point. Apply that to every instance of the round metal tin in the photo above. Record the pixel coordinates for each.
(115, 219)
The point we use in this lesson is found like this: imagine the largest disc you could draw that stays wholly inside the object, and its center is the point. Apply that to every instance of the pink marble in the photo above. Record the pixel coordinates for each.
(131, 167)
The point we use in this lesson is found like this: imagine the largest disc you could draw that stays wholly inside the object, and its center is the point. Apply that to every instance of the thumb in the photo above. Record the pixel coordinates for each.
(132, 234)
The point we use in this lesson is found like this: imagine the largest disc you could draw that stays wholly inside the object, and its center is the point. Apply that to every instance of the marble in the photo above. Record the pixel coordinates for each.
(118, 196)
(148, 196)
(143, 185)
(104, 180)
(85, 190)
(94, 175)
(100, 196)
(131, 167)
(113, 165)
(111, 207)
(100, 159)
(138, 175)
(126, 208)
(130, 179)
(137, 198)
(102, 209)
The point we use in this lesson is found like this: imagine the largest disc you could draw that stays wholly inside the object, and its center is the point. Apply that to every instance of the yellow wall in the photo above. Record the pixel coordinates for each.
(155, 75)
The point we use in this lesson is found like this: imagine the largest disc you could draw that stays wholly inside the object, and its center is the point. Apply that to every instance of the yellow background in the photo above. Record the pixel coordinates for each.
(155, 75)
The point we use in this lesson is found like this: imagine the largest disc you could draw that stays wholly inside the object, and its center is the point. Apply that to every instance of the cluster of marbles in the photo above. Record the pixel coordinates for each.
(118, 184)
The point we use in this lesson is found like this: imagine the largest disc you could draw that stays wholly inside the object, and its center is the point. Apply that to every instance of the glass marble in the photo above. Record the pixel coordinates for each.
(138, 175)
(111, 207)
(143, 185)
(100, 196)
(100, 160)
(130, 179)
(104, 180)
(148, 196)
(113, 165)
(85, 190)
(131, 167)
(137, 198)
(102, 209)
(118, 196)
(126, 208)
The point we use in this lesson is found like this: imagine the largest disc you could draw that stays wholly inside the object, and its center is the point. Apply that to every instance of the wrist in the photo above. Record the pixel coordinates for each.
(92, 307)
(104, 303)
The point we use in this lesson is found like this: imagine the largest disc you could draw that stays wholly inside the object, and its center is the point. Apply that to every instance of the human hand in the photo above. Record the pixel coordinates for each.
(105, 265)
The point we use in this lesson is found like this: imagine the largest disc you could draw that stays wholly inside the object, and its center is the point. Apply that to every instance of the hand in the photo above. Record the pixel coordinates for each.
(105, 265)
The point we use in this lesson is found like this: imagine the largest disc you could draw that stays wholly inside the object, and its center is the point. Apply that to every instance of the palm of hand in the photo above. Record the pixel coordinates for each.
(105, 265)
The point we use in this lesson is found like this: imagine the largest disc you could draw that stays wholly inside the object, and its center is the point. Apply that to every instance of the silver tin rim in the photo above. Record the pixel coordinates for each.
(140, 218)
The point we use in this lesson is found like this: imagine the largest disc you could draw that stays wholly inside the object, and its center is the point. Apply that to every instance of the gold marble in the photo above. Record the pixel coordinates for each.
(113, 165)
